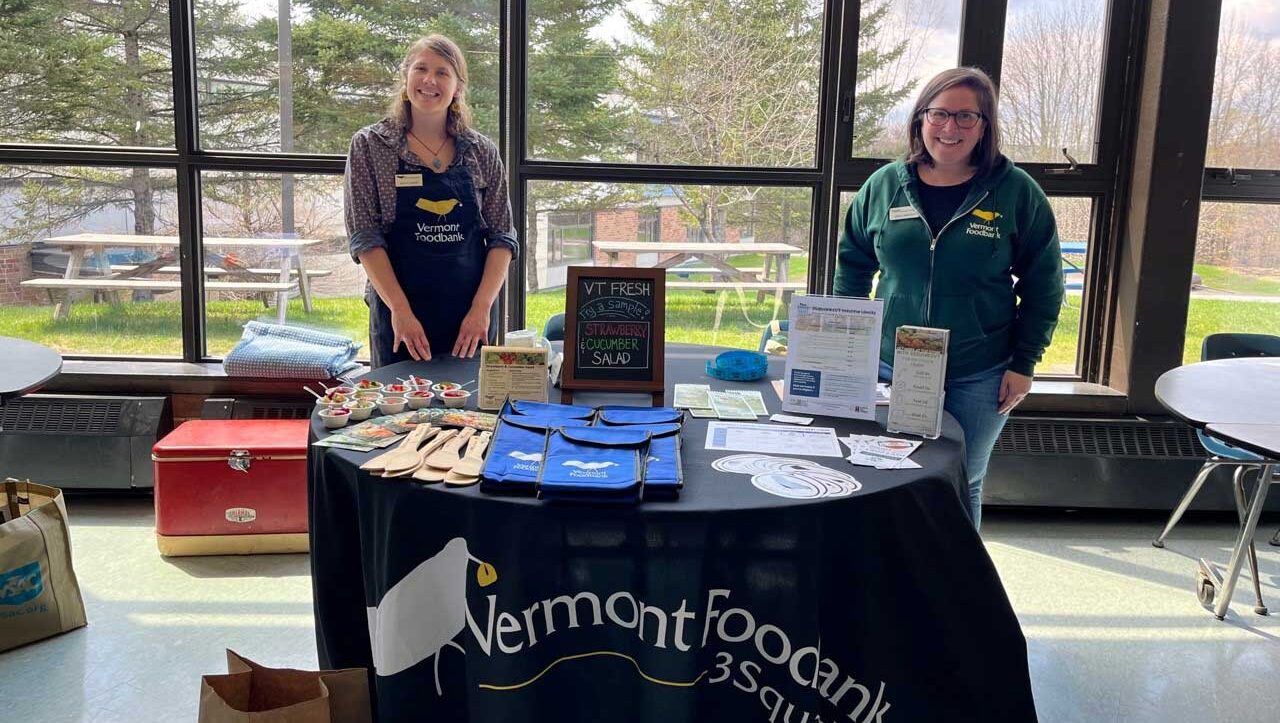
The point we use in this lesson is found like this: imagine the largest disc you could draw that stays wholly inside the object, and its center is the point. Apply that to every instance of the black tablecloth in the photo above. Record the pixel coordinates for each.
(729, 604)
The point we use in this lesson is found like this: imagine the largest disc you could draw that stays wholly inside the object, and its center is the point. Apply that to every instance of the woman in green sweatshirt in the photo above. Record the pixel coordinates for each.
(963, 241)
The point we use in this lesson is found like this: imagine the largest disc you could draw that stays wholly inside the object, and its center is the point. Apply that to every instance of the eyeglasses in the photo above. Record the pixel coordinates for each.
(939, 117)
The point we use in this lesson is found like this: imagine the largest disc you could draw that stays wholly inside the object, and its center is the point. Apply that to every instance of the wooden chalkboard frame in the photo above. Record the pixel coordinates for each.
(655, 387)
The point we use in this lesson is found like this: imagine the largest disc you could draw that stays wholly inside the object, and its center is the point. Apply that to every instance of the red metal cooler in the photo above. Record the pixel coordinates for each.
(232, 487)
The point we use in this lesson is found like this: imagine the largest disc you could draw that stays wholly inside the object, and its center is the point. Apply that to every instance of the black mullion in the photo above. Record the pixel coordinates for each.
(1241, 184)
(187, 140)
(840, 59)
(511, 300)
(1121, 32)
(514, 111)
(88, 156)
(982, 35)
(679, 175)
(1099, 313)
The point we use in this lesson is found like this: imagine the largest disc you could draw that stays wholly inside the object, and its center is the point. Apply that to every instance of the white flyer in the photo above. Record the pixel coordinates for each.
(919, 378)
(772, 439)
(833, 356)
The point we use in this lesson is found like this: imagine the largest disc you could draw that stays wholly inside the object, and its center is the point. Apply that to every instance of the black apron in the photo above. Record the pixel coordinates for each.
(437, 250)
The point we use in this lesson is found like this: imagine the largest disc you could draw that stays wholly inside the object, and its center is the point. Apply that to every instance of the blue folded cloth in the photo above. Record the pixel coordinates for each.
(663, 476)
(515, 454)
(515, 408)
(290, 352)
(593, 464)
(620, 415)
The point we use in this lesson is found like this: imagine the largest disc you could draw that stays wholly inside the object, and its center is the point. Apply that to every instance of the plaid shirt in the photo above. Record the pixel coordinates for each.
(369, 186)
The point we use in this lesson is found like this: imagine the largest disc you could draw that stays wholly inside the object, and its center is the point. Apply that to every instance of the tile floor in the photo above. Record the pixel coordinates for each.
(1113, 627)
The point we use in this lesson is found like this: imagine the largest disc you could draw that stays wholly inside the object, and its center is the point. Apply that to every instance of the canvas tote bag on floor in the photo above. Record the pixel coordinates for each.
(39, 595)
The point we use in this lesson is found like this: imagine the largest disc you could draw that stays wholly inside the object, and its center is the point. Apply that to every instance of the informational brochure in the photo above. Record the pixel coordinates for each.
(880, 452)
(692, 396)
(753, 398)
(919, 376)
(512, 372)
(833, 356)
(731, 406)
(772, 439)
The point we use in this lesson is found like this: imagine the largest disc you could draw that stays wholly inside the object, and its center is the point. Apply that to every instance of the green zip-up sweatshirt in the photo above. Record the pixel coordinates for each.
(993, 276)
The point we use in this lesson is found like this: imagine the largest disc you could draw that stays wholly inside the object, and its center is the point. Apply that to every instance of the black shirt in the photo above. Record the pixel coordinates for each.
(940, 203)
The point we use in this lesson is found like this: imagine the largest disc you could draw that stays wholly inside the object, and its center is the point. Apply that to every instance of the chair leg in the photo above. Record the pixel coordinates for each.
(1260, 607)
(1185, 502)
(1250, 526)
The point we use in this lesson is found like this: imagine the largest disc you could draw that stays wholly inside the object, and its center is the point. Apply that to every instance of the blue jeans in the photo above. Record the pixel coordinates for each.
(972, 400)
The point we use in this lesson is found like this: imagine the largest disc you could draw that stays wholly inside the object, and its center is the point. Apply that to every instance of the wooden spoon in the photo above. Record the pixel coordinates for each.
(467, 470)
(409, 446)
(447, 456)
(409, 464)
(425, 472)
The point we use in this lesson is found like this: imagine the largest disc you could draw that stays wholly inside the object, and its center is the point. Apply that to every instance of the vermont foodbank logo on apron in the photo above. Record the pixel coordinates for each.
(427, 611)
(439, 232)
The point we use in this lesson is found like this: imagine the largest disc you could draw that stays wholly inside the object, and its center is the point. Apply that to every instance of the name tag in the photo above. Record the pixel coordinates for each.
(898, 213)
(407, 180)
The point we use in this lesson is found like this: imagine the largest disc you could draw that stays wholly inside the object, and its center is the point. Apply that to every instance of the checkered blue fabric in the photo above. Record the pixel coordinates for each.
(290, 352)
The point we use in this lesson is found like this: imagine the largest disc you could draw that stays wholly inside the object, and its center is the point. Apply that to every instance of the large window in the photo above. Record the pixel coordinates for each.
(1050, 79)
(86, 72)
(273, 239)
(735, 254)
(76, 244)
(1235, 285)
(307, 80)
(901, 44)
(687, 82)
(722, 133)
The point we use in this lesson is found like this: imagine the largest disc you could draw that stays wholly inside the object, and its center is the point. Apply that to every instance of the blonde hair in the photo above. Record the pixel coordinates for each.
(458, 117)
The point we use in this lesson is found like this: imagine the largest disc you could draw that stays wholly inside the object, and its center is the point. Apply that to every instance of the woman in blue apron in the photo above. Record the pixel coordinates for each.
(428, 215)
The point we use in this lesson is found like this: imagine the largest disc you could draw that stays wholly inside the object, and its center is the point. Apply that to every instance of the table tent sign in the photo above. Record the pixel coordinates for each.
(833, 356)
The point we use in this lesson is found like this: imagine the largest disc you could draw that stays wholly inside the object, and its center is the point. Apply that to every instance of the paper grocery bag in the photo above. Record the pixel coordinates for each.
(252, 693)
(39, 595)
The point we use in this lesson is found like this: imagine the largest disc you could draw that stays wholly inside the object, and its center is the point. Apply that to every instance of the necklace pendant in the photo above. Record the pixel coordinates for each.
(436, 164)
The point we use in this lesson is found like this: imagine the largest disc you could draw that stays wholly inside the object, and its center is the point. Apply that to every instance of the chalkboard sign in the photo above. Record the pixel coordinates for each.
(613, 331)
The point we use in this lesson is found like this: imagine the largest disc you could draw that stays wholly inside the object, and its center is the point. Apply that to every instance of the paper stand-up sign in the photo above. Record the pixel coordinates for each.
(613, 331)
(833, 356)
(512, 372)
(919, 376)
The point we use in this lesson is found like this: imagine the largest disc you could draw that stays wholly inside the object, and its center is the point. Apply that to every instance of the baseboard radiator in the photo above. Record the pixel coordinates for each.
(1102, 463)
(254, 408)
(82, 442)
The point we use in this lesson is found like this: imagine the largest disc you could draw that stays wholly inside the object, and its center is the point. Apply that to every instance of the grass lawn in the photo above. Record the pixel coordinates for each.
(153, 328)
(1224, 279)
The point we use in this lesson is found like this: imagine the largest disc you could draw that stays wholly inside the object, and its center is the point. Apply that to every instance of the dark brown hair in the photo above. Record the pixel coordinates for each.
(987, 151)
(459, 114)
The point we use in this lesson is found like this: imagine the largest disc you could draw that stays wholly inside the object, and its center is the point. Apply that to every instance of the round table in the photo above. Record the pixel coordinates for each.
(1237, 401)
(1224, 391)
(25, 366)
(667, 610)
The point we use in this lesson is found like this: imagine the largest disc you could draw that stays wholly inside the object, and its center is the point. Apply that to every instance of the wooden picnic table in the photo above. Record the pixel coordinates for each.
(292, 272)
(773, 276)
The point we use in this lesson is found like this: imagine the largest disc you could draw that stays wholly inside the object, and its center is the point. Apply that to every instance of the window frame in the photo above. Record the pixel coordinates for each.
(836, 170)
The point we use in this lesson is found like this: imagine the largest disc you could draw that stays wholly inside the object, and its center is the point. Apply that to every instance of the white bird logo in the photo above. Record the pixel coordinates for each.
(526, 456)
(425, 611)
(589, 465)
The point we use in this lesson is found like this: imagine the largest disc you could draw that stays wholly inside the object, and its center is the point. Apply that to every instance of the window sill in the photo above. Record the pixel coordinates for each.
(1074, 398)
(116, 377)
